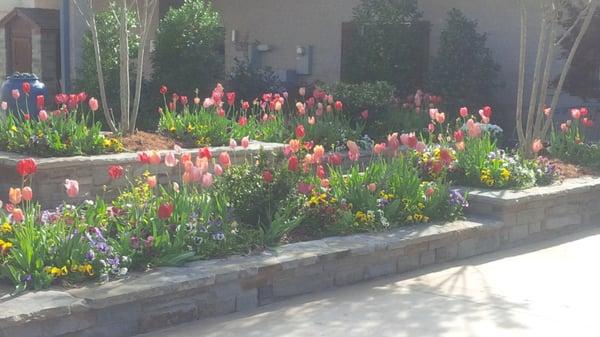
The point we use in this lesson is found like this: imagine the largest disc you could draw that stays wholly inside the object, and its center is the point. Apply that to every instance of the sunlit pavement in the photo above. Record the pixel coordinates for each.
(548, 289)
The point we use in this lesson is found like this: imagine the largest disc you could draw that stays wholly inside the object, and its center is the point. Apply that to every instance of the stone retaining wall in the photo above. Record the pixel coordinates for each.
(92, 172)
(168, 296)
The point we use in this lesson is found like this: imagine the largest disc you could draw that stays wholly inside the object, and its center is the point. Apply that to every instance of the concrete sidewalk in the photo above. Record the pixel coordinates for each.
(546, 289)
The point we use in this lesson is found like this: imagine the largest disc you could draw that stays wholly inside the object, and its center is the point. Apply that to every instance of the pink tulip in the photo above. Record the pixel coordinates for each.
(224, 159)
(325, 183)
(245, 142)
(4, 105)
(27, 193)
(43, 115)
(312, 120)
(207, 180)
(72, 188)
(232, 143)
(208, 102)
(379, 148)
(93, 103)
(372, 187)
(302, 91)
(575, 113)
(154, 158)
(433, 113)
(197, 174)
(393, 142)
(420, 147)
(318, 153)
(353, 151)
(16, 94)
(170, 160)
(440, 118)
(464, 112)
(365, 114)
(151, 181)
(17, 215)
(218, 170)
(431, 127)
(564, 127)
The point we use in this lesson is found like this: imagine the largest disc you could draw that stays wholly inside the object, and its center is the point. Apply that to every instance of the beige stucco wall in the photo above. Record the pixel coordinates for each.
(283, 24)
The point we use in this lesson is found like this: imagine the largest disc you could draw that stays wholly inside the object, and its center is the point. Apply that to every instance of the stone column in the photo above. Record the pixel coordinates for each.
(36, 52)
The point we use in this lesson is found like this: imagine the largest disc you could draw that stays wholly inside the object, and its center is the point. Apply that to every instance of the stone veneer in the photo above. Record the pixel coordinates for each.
(92, 172)
(168, 296)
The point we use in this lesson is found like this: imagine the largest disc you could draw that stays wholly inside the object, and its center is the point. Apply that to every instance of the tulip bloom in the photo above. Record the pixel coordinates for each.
(245, 142)
(379, 148)
(302, 91)
(564, 127)
(353, 151)
(93, 103)
(267, 176)
(207, 180)
(205, 153)
(115, 172)
(15, 196)
(232, 143)
(335, 159)
(17, 215)
(26, 167)
(27, 193)
(372, 187)
(224, 159)
(4, 105)
(43, 115)
(72, 188)
(312, 120)
(26, 87)
(487, 111)
(300, 131)
(339, 106)
(40, 101)
(163, 89)
(294, 145)
(365, 114)
(459, 136)
(218, 170)
(16, 94)
(165, 211)
(170, 160)
(154, 158)
(293, 163)
(464, 112)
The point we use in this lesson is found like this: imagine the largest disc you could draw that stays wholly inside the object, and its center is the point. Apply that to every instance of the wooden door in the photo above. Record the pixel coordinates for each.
(21, 54)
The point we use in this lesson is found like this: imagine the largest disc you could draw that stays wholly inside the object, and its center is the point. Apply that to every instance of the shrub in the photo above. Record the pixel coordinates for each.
(387, 44)
(108, 37)
(569, 142)
(464, 71)
(189, 48)
(250, 82)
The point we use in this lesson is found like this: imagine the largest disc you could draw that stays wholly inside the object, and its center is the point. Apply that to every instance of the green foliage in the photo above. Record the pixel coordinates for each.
(332, 129)
(70, 133)
(250, 82)
(189, 48)
(464, 71)
(108, 38)
(388, 44)
(569, 144)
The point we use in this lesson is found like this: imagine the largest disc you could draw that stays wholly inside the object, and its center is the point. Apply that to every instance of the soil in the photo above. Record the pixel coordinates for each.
(566, 170)
(141, 141)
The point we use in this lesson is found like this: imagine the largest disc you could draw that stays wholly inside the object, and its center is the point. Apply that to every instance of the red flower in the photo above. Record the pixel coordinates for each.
(231, 98)
(365, 114)
(459, 136)
(267, 176)
(321, 172)
(26, 167)
(587, 122)
(81, 97)
(163, 89)
(61, 98)
(26, 117)
(309, 145)
(26, 87)
(243, 121)
(584, 111)
(165, 211)
(446, 156)
(245, 105)
(40, 101)
(205, 153)
(339, 106)
(300, 131)
(115, 171)
(293, 163)
(143, 158)
(183, 100)
(73, 101)
(335, 159)
(487, 111)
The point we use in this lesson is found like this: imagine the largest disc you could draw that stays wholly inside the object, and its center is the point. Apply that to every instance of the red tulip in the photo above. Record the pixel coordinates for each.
(339, 106)
(231, 98)
(40, 101)
(183, 100)
(115, 171)
(487, 111)
(81, 97)
(165, 211)
(163, 89)
(320, 171)
(584, 111)
(27, 193)
(459, 136)
(464, 112)
(26, 167)
(245, 105)
(224, 159)
(143, 158)
(26, 88)
(267, 176)
(365, 114)
(300, 131)
(293, 163)
(243, 121)
(205, 153)
(335, 159)
(26, 117)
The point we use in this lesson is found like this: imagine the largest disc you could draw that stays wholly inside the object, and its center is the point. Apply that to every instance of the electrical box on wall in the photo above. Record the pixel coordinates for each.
(304, 55)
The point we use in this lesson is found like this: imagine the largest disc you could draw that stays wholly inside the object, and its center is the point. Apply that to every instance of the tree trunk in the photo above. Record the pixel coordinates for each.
(124, 67)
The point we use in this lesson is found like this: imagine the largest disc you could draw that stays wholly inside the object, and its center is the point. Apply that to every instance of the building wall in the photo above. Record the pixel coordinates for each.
(284, 24)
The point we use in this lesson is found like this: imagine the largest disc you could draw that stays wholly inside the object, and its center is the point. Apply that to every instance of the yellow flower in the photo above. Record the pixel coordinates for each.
(172, 129)
(6, 228)
(57, 272)
(13, 128)
(421, 205)
(5, 246)
(505, 174)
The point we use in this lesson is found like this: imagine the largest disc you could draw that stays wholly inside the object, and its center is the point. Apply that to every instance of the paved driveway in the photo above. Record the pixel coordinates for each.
(546, 289)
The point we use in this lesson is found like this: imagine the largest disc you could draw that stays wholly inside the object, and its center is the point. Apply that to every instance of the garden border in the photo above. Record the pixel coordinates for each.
(168, 296)
(92, 171)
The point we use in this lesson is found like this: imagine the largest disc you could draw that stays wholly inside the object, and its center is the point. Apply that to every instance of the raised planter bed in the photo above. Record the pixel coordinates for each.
(91, 172)
(168, 296)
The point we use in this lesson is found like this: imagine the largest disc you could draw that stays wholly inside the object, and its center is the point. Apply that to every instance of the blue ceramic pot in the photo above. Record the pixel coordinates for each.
(15, 81)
